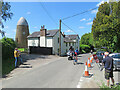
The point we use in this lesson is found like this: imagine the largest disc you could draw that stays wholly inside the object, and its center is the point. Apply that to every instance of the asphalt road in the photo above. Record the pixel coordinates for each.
(59, 73)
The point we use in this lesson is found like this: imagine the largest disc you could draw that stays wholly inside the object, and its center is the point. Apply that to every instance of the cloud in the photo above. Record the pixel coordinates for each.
(14, 30)
(35, 27)
(69, 31)
(28, 13)
(83, 19)
(6, 27)
(89, 19)
(94, 11)
(81, 27)
(102, 2)
(89, 23)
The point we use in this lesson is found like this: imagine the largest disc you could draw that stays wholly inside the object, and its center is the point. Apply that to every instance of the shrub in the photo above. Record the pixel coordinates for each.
(8, 46)
(85, 48)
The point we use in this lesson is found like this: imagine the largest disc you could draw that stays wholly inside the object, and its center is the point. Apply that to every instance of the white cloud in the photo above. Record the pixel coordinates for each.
(35, 27)
(83, 19)
(28, 13)
(6, 27)
(94, 11)
(102, 2)
(89, 23)
(89, 19)
(14, 30)
(81, 27)
(69, 31)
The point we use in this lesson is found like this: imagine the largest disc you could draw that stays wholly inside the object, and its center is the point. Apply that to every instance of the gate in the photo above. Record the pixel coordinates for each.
(41, 50)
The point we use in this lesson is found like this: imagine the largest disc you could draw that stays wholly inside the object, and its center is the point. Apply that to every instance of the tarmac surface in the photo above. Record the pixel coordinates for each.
(39, 71)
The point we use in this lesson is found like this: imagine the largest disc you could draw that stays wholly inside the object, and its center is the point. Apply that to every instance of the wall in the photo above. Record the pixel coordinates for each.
(33, 41)
(42, 41)
(56, 44)
(49, 41)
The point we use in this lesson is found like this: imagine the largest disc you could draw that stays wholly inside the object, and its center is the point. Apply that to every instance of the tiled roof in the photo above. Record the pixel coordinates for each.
(70, 38)
(50, 33)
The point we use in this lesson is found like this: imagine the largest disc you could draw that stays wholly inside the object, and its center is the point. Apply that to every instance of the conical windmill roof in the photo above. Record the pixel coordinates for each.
(22, 21)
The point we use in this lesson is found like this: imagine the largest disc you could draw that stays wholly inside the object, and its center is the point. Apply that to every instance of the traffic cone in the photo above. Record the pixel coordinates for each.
(86, 74)
(91, 59)
(89, 65)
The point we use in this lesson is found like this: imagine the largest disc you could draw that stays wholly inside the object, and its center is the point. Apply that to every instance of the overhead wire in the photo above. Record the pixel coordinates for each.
(48, 14)
(78, 13)
(69, 28)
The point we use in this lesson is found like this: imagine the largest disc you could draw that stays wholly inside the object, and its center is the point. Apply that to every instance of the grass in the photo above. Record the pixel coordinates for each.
(104, 87)
(7, 66)
(23, 49)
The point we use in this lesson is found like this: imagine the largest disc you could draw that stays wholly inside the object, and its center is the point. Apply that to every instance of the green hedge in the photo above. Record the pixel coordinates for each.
(84, 48)
(8, 46)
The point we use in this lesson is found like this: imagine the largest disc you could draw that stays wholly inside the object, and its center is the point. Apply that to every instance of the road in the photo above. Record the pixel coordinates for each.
(59, 73)
(55, 72)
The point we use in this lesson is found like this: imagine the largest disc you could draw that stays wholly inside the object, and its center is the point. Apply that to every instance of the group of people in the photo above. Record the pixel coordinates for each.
(74, 54)
(17, 56)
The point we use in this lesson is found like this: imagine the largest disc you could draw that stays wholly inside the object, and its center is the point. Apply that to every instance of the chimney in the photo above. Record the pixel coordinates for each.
(63, 34)
(43, 31)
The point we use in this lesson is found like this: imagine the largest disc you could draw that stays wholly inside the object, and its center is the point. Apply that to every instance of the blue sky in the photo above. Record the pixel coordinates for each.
(36, 16)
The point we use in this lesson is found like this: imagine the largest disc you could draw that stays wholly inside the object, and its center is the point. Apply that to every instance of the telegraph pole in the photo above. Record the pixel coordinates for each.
(60, 37)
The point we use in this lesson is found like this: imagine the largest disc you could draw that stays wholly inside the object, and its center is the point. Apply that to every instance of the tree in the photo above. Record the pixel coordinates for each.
(86, 39)
(106, 26)
(5, 14)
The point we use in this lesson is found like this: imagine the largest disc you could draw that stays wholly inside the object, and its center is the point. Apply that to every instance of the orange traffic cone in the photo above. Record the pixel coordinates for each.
(89, 65)
(86, 71)
(91, 59)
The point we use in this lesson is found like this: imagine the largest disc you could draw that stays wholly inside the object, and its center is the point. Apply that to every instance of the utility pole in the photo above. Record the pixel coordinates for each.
(60, 37)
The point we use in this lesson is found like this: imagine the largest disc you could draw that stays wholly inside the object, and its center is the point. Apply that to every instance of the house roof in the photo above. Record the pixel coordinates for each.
(50, 33)
(70, 38)
(67, 40)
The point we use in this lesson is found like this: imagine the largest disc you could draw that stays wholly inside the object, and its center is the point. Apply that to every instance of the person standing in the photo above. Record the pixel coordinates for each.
(16, 55)
(108, 65)
(19, 57)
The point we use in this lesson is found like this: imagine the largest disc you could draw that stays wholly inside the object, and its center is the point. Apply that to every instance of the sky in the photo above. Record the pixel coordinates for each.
(49, 14)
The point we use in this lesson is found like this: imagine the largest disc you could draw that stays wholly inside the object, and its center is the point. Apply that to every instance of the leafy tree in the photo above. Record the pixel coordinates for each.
(5, 14)
(106, 26)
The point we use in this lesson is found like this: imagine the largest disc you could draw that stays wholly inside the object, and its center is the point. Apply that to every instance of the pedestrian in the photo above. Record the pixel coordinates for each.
(19, 57)
(108, 65)
(16, 55)
(75, 56)
(91, 51)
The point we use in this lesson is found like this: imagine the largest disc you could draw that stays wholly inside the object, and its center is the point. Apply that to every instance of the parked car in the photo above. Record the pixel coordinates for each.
(100, 56)
(116, 58)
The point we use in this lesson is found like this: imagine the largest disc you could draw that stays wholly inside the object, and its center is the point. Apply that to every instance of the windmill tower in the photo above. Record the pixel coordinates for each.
(22, 32)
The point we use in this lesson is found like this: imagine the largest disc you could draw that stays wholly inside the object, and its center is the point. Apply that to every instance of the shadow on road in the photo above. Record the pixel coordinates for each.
(25, 67)
(116, 70)
(80, 63)
(79, 56)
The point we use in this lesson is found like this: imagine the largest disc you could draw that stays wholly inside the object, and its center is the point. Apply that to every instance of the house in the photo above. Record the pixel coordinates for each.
(47, 42)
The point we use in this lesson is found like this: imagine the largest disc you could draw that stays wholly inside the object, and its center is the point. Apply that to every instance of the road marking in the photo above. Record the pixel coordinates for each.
(80, 82)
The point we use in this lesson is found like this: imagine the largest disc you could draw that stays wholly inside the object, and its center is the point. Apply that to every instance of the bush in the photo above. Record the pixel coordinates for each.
(8, 46)
(84, 48)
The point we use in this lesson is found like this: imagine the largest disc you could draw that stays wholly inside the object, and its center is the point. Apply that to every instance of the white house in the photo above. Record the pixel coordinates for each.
(47, 42)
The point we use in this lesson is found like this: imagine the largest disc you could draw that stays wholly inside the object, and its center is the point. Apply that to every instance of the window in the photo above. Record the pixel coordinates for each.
(66, 50)
(58, 50)
(66, 44)
(69, 44)
(58, 40)
(73, 44)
